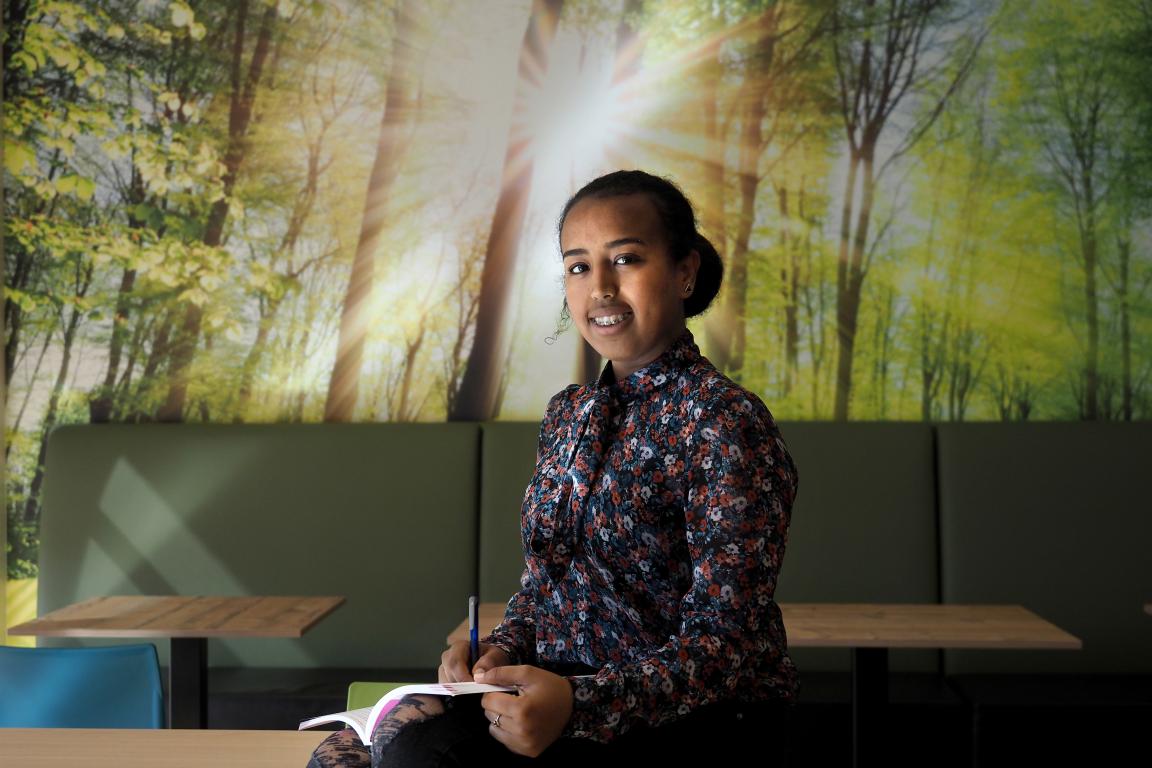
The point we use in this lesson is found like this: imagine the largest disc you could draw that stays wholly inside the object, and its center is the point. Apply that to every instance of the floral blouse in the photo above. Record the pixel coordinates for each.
(654, 529)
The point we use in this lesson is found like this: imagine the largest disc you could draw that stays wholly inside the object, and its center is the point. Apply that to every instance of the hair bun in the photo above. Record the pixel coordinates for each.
(708, 278)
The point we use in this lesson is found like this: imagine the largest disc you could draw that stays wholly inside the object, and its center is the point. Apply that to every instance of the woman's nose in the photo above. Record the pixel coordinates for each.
(603, 287)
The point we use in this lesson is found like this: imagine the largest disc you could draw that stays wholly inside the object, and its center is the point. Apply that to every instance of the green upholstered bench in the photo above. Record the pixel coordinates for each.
(383, 514)
(1056, 517)
(507, 460)
(863, 527)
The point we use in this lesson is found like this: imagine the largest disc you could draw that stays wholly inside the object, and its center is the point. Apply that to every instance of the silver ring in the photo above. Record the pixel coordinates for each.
(496, 722)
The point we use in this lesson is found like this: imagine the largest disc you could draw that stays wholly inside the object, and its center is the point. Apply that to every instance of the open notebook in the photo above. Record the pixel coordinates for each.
(364, 721)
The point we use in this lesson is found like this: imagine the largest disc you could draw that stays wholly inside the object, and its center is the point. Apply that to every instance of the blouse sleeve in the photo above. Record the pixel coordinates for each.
(738, 491)
(516, 633)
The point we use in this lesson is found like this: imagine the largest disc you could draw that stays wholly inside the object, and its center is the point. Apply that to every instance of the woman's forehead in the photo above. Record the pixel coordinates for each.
(610, 218)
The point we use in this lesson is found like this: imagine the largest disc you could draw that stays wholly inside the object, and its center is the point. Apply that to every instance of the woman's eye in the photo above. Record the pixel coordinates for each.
(577, 269)
(624, 258)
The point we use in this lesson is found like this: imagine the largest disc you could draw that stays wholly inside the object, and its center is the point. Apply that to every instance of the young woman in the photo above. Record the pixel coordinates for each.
(653, 531)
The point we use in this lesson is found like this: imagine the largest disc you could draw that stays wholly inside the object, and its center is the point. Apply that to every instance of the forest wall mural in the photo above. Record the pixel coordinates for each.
(283, 210)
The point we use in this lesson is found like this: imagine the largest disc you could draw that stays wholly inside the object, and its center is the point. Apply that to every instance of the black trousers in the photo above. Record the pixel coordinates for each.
(716, 733)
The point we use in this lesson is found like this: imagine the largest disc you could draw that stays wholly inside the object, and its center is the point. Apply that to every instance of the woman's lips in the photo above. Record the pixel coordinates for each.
(610, 320)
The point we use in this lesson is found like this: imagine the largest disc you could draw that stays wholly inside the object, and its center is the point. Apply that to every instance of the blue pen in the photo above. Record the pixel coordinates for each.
(473, 630)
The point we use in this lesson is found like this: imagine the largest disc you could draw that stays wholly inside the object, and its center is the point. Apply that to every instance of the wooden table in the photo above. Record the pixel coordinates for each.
(188, 622)
(870, 630)
(114, 748)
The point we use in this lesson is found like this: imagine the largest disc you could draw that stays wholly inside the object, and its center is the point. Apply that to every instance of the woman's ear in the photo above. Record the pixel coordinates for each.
(686, 270)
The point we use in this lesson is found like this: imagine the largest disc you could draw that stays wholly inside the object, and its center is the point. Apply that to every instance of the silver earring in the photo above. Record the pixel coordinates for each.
(688, 289)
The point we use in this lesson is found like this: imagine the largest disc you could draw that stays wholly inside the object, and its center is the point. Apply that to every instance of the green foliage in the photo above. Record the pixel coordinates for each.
(22, 548)
(22, 545)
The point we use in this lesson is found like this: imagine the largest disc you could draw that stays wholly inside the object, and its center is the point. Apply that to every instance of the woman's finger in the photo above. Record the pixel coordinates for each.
(498, 733)
(454, 664)
(490, 656)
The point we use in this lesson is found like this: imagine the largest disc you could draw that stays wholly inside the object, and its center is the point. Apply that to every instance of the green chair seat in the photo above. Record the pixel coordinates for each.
(364, 694)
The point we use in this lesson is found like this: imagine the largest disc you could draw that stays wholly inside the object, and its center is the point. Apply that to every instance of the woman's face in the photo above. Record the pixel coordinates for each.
(624, 291)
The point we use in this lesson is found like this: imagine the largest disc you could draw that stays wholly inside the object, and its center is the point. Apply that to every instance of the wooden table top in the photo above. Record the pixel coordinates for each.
(864, 625)
(163, 748)
(871, 625)
(178, 616)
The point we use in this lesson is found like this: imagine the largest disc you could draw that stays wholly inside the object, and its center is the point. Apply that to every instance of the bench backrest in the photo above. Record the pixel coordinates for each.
(864, 525)
(1053, 516)
(383, 514)
(507, 460)
(1056, 517)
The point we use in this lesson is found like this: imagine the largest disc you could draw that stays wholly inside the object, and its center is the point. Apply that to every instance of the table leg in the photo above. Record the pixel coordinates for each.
(188, 683)
(869, 705)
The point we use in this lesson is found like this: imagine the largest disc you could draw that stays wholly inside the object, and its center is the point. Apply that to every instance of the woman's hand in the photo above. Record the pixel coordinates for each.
(454, 662)
(528, 723)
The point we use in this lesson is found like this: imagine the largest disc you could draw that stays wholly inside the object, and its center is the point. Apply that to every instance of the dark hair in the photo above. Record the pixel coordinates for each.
(678, 218)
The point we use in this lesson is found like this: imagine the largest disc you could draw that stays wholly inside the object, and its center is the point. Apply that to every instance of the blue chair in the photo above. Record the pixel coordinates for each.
(96, 687)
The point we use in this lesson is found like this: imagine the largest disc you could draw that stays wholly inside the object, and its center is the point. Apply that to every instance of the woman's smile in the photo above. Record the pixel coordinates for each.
(610, 321)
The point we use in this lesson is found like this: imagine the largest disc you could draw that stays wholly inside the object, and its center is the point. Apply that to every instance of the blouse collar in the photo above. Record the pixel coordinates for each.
(680, 355)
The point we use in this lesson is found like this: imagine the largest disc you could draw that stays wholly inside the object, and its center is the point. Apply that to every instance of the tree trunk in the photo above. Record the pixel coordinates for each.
(159, 351)
(13, 425)
(100, 406)
(845, 336)
(717, 323)
(402, 410)
(239, 119)
(849, 309)
(790, 282)
(815, 312)
(480, 388)
(793, 287)
(758, 81)
(301, 210)
(18, 278)
(748, 178)
(1092, 310)
(15, 24)
(931, 346)
(254, 357)
(1124, 256)
(882, 342)
(134, 348)
(355, 318)
(100, 402)
(32, 506)
(466, 302)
